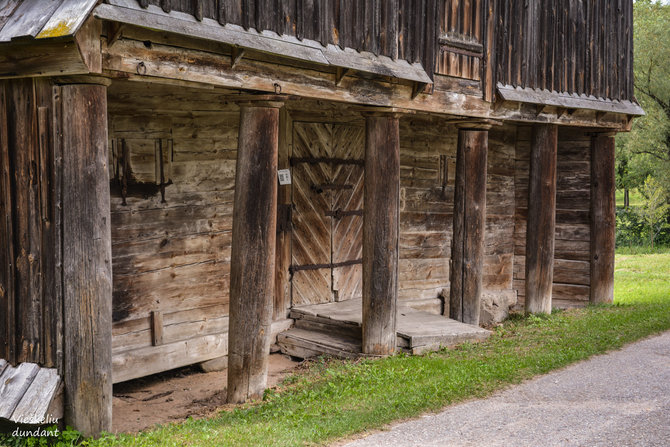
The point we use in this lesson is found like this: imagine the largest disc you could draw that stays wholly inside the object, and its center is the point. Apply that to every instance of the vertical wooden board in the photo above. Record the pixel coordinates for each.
(282, 295)
(347, 232)
(311, 236)
(23, 138)
(87, 263)
(7, 293)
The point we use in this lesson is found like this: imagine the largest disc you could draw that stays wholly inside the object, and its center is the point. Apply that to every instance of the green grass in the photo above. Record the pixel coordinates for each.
(634, 195)
(335, 399)
(642, 250)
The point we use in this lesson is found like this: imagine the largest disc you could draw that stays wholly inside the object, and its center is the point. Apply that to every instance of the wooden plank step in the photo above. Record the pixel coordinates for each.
(328, 326)
(304, 343)
(427, 332)
(417, 330)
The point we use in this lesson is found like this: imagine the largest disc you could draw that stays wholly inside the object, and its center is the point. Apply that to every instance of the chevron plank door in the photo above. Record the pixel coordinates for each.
(347, 240)
(327, 164)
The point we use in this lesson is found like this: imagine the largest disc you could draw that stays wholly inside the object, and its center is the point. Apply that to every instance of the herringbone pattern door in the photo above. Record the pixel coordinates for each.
(327, 163)
(347, 240)
(311, 243)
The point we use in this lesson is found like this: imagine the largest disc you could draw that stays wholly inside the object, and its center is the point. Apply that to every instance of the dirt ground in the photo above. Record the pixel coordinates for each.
(175, 395)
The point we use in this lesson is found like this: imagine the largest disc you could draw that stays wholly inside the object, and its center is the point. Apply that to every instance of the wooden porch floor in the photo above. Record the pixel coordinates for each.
(335, 329)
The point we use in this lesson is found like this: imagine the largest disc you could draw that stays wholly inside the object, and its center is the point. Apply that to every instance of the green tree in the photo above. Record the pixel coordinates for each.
(646, 149)
(655, 209)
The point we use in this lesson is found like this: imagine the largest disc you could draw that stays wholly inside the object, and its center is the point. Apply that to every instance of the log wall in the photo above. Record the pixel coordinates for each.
(171, 256)
(427, 175)
(571, 248)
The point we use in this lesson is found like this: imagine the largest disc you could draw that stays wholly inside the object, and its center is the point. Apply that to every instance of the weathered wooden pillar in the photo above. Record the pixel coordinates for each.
(603, 218)
(467, 247)
(380, 232)
(541, 221)
(253, 249)
(87, 255)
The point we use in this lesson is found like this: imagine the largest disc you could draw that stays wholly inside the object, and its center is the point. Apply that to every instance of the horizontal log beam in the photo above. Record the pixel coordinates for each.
(169, 63)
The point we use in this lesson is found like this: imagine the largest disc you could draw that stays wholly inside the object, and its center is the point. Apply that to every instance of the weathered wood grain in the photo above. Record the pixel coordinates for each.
(253, 251)
(282, 291)
(380, 234)
(467, 255)
(87, 259)
(7, 333)
(35, 403)
(163, 62)
(603, 221)
(540, 230)
(14, 382)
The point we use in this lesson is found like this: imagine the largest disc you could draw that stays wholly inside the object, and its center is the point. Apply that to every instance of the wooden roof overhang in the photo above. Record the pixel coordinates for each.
(153, 17)
(39, 38)
(567, 101)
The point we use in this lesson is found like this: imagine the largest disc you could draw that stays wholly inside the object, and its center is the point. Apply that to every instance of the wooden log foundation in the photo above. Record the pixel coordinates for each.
(541, 218)
(87, 258)
(467, 248)
(380, 233)
(252, 275)
(603, 218)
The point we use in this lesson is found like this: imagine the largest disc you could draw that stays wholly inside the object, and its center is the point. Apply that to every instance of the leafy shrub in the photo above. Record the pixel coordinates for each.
(631, 230)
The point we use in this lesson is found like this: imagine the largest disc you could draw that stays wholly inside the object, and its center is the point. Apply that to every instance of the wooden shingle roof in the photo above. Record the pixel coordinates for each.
(41, 19)
(30, 394)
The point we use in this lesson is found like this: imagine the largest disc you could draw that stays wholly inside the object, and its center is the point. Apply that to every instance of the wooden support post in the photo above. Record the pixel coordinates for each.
(467, 247)
(541, 222)
(87, 257)
(252, 274)
(603, 220)
(380, 233)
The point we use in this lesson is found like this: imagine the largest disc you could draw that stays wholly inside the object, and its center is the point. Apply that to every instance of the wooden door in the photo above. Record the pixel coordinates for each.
(327, 170)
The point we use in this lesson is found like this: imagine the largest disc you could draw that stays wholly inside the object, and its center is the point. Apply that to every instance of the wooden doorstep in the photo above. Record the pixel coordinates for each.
(329, 328)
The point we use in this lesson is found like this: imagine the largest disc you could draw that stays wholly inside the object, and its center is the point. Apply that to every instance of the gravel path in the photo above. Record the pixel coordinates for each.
(617, 399)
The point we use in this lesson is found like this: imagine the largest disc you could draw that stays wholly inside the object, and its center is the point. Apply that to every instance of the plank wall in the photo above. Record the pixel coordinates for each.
(571, 251)
(583, 47)
(31, 288)
(171, 259)
(404, 29)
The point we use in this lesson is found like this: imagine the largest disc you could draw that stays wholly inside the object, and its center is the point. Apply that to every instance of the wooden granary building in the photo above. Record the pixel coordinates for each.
(187, 180)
